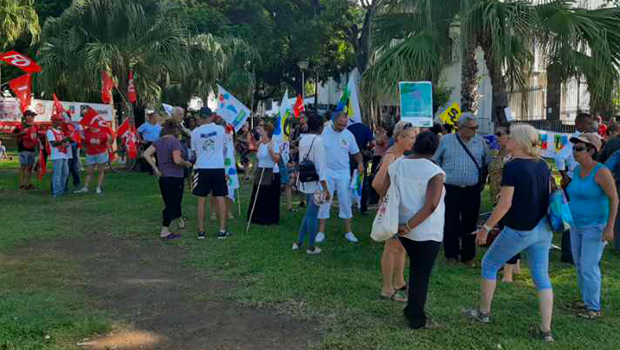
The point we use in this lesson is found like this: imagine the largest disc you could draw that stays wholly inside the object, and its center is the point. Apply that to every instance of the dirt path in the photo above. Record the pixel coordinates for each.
(169, 306)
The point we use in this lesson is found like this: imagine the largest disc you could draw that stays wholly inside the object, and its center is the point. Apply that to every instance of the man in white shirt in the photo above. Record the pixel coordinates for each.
(60, 147)
(210, 177)
(339, 144)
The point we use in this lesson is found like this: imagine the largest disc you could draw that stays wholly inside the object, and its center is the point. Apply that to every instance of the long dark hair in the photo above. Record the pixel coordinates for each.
(170, 127)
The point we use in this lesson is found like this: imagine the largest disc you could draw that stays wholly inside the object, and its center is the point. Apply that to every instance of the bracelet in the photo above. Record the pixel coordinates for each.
(409, 229)
(489, 229)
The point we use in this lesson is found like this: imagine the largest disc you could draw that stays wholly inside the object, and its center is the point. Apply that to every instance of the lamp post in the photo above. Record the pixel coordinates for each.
(303, 65)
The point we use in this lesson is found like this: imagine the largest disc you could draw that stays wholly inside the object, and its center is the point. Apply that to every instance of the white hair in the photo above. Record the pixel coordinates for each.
(466, 118)
(176, 110)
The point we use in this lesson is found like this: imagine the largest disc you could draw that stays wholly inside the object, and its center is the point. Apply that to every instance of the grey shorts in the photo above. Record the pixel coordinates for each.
(26, 158)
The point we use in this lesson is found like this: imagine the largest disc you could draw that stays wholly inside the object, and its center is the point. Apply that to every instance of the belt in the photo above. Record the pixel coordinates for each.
(461, 186)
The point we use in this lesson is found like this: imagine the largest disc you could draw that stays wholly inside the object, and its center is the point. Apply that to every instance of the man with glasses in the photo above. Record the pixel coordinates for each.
(462, 156)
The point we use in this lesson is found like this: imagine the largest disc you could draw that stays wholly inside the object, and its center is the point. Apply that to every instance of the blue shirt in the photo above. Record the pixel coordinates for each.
(453, 159)
(363, 135)
(150, 132)
(587, 201)
(612, 163)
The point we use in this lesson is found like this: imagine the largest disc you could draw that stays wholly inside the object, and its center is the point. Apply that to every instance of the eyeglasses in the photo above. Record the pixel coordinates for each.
(580, 148)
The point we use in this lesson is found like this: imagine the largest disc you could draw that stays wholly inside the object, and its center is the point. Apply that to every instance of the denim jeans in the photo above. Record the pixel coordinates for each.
(60, 176)
(310, 224)
(536, 243)
(587, 246)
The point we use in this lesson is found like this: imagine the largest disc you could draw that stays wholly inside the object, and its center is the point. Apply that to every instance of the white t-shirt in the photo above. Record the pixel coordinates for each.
(411, 177)
(263, 156)
(56, 154)
(208, 145)
(315, 153)
(339, 145)
(565, 160)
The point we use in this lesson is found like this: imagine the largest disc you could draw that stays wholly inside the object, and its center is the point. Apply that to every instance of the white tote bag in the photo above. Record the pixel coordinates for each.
(385, 225)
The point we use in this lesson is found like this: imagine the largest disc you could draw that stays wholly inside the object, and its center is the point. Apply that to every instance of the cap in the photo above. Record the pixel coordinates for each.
(205, 112)
(29, 112)
(589, 138)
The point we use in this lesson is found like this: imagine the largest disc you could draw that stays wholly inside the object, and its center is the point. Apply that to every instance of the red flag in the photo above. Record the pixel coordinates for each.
(21, 61)
(42, 165)
(127, 132)
(106, 87)
(131, 89)
(92, 119)
(58, 109)
(21, 88)
(298, 108)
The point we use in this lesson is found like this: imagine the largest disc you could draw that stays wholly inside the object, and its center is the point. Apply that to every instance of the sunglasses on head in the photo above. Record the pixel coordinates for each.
(407, 126)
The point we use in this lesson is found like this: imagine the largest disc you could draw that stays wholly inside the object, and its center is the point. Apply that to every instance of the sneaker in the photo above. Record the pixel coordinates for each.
(202, 235)
(223, 235)
(320, 237)
(171, 236)
(83, 190)
(315, 251)
(351, 237)
(98, 190)
(295, 246)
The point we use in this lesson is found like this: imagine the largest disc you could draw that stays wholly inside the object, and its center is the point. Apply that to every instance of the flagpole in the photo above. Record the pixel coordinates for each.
(247, 229)
(239, 198)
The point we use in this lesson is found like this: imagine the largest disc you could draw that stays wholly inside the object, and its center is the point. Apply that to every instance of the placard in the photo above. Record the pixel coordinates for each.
(416, 102)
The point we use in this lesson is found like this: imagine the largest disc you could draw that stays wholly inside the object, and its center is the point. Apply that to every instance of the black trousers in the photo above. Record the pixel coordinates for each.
(422, 257)
(462, 210)
(172, 193)
(145, 167)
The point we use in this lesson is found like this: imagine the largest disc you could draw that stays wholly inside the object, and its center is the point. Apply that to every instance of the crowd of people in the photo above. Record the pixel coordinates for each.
(440, 177)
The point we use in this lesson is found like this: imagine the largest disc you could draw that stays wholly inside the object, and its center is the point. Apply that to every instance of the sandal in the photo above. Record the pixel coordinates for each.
(181, 223)
(396, 296)
(478, 316)
(547, 337)
(590, 315)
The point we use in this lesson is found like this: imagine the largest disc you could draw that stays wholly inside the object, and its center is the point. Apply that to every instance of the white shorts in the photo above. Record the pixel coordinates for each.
(340, 184)
(100, 158)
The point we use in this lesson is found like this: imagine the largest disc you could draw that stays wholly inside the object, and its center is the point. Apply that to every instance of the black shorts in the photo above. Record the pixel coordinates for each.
(210, 181)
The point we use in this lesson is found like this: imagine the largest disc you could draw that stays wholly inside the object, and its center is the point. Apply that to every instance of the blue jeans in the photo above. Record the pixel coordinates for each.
(310, 224)
(60, 176)
(536, 243)
(587, 246)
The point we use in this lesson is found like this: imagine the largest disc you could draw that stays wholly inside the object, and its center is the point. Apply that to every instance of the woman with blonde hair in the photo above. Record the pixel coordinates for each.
(394, 254)
(522, 207)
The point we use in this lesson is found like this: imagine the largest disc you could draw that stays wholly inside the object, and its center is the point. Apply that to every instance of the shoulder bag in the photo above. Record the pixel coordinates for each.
(385, 225)
(307, 169)
(483, 172)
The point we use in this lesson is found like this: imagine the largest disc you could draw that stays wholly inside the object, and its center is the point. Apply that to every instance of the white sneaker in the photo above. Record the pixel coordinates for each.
(351, 237)
(295, 246)
(320, 237)
(316, 250)
(83, 190)
(98, 190)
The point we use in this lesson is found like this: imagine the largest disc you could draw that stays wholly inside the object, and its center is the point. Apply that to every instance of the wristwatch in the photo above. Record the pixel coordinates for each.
(489, 229)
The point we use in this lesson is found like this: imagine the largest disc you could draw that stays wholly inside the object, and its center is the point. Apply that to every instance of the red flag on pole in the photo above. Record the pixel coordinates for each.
(92, 119)
(131, 89)
(21, 88)
(42, 165)
(20, 61)
(127, 132)
(106, 87)
(298, 108)
(58, 108)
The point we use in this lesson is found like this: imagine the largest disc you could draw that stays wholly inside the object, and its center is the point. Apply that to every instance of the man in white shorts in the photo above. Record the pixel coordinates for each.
(339, 144)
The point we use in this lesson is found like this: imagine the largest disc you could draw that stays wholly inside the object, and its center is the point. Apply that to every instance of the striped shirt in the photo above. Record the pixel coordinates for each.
(459, 168)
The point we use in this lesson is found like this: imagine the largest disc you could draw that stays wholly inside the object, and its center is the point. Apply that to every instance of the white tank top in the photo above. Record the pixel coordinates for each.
(411, 177)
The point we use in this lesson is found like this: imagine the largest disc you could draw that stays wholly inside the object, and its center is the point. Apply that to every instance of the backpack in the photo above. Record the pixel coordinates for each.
(307, 169)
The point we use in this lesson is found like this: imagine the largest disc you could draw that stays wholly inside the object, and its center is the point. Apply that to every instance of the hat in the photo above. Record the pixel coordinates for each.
(29, 112)
(205, 112)
(588, 138)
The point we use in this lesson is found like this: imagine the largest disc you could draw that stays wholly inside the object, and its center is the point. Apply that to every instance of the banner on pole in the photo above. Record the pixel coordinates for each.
(416, 102)
(284, 119)
(349, 101)
(234, 112)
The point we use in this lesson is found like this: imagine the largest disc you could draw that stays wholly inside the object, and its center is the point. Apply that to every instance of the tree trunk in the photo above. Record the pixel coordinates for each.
(499, 95)
(364, 42)
(469, 78)
(554, 94)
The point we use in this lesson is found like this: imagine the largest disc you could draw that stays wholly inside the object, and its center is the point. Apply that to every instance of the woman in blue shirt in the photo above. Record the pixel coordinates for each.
(594, 205)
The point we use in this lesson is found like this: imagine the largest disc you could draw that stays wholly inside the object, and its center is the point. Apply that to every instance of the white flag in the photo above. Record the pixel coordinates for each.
(229, 108)
(282, 127)
(349, 101)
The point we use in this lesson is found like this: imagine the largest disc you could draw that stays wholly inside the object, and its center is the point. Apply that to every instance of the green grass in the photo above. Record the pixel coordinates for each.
(338, 290)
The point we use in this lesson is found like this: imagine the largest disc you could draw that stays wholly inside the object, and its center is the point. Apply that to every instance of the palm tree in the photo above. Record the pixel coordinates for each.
(17, 17)
(115, 36)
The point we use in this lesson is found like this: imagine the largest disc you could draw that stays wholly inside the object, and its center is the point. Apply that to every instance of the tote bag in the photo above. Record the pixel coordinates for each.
(385, 225)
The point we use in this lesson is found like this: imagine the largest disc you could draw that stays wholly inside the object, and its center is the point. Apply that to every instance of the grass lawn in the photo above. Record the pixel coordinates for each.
(338, 289)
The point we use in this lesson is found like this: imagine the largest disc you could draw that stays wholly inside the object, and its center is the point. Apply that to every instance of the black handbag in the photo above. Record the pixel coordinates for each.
(483, 172)
(307, 169)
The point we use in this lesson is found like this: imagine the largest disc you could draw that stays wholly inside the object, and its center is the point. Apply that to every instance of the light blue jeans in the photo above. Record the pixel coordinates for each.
(536, 243)
(60, 176)
(310, 224)
(587, 246)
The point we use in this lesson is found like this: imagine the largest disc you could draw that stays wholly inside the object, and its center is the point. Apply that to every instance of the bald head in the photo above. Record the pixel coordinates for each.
(178, 113)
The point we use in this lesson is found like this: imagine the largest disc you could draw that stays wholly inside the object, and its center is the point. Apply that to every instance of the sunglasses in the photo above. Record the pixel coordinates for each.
(580, 148)
(407, 126)
(499, 134)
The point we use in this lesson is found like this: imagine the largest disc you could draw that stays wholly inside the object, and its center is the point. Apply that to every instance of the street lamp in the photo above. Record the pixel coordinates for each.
(303, 65)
